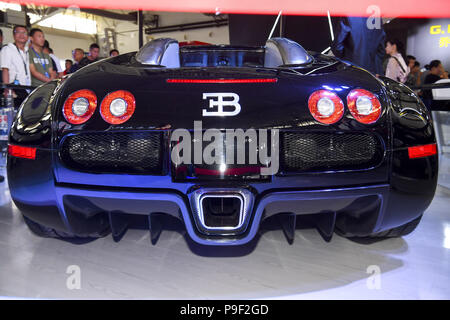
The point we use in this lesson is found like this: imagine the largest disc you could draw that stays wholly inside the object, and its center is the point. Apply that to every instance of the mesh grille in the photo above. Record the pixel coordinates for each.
(330, 151)
(125, 152)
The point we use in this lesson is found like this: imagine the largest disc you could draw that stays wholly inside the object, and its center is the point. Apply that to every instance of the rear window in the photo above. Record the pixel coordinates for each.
(218, 56)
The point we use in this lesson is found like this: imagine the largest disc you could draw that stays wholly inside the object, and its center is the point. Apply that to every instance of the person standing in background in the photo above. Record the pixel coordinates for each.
(356, 43)
(396, 68)
(78, 55)
(437, 72)
(47, 51)
(56, 63)
(1, 43)
(15, 64)
(40, 63)
(69, 64)
(94, 50)
(114, 53)
(414, 75)
(15, 70)
(410, 61)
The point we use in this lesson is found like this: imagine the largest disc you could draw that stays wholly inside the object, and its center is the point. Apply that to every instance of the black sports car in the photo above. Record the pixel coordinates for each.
(222, 138)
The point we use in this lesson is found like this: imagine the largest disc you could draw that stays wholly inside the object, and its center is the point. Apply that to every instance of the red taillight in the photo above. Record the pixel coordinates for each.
(364, 106)
(422, 151)
(118, 106)
(259, 80)
(22, 152)
(325, 106)
(80, 106)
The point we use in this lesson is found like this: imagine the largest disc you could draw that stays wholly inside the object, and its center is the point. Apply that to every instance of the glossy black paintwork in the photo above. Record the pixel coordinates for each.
(266, 105)
(413, 181)
(162, 106)
(32, 187)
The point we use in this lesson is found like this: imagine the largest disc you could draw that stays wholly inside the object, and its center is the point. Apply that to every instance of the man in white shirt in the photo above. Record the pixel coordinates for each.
(15, 62)
(1, 39)
(57, 64)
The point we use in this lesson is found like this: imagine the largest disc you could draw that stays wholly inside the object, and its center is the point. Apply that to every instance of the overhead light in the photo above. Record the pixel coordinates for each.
(10, 6)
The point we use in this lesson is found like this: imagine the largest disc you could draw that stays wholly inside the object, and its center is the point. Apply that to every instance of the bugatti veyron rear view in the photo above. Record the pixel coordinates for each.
(222, 138)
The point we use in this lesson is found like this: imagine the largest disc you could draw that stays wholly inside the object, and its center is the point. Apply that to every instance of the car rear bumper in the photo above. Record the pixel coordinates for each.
(85, 210)
(357, 203)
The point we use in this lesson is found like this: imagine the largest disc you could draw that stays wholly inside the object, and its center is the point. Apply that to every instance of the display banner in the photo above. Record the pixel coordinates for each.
(430, 41)
(386, 8)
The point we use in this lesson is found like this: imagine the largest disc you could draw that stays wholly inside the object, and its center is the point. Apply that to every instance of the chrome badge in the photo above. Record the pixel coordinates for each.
(219, 100)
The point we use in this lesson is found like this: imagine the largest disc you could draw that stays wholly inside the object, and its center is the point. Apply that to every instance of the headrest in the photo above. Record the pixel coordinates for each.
(282, 51)
(160, 52)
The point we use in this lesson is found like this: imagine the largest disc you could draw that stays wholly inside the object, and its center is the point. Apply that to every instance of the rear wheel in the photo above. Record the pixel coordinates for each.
(399, 231)
(45, 232)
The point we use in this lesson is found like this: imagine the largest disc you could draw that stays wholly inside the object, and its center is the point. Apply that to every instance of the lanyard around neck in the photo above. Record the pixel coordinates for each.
(24, 63)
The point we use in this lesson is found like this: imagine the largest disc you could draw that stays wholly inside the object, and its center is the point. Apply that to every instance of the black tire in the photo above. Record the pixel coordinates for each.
(45, 232)
(399, 231)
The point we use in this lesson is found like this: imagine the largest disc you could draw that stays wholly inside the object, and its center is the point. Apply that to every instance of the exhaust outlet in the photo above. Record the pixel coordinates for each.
(221, 211)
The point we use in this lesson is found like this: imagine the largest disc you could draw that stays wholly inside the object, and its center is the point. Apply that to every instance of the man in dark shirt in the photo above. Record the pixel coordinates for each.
(69, 64)
(78, 55)
(113, 53)
(94, 50)
(414, 76)
(436, 73)
(358, 44)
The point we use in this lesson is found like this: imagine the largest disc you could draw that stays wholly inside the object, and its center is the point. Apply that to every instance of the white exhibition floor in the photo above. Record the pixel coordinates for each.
(415, 267)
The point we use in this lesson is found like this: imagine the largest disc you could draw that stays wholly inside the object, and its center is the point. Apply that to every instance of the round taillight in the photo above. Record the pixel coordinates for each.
(325, 106)
(364, 106)
(80, 106)
(118, 107)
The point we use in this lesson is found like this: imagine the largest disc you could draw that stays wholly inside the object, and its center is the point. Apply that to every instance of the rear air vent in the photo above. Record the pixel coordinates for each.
(114, 152)
(314, 152)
